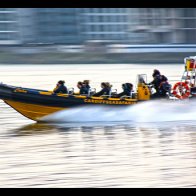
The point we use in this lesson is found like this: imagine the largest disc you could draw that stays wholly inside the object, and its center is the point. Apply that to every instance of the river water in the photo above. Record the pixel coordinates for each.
(147, 145)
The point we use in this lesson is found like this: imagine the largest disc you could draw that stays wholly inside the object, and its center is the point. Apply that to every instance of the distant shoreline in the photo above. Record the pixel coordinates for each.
(94, 58)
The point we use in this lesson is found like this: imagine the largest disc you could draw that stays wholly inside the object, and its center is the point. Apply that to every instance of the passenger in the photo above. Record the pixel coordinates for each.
(109, 85)
(60, 87)
(127, 88)
(86, 82)
(160, 84)
(82, 87)
(106, 88)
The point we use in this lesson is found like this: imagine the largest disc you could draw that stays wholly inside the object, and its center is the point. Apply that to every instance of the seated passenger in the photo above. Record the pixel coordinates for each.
(127, 88)
(106, 88)
(82, 87)
(60, 87)
(86, 83)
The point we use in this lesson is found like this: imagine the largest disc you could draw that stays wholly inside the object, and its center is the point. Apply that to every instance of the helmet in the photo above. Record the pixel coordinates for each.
(156, 72)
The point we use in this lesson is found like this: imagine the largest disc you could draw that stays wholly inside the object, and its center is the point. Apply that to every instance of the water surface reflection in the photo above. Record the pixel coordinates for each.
(96, 154)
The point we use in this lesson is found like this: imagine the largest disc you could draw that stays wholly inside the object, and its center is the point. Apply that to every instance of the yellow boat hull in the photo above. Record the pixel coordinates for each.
(33, 111)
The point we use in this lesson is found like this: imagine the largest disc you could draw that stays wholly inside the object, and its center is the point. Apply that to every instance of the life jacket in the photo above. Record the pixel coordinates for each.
(164, 84)
(88, 86)
(83, 90)
(127, 86)
(104, 91)
(158, 81)
(61, 89)
(163, 78)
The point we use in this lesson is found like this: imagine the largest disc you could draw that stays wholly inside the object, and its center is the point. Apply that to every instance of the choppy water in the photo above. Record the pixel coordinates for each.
(147, 145)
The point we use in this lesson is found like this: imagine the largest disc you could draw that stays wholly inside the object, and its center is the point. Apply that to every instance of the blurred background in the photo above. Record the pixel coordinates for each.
(147, 145)
(97, 35)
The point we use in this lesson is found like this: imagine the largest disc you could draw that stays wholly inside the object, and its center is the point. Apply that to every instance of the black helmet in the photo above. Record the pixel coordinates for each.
(156, 72)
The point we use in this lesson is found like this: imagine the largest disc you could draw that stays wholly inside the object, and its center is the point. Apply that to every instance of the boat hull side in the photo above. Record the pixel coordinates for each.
(32, 111)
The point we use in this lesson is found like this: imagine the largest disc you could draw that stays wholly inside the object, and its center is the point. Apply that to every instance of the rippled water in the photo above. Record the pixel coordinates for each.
(155, 147)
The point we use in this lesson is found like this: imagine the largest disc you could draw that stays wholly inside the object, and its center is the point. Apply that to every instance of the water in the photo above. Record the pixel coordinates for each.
(147, 145)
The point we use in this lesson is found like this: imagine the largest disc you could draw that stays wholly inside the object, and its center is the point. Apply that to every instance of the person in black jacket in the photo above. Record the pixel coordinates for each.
(61, 88)
(86, 83)
(106, 87)
(127, 88)
(160, 83)
(82, 87)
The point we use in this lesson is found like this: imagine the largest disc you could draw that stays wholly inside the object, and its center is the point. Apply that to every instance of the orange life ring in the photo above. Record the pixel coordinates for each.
(182, 96)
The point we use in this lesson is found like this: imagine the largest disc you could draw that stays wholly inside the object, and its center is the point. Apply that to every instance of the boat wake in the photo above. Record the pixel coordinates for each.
(151, 111)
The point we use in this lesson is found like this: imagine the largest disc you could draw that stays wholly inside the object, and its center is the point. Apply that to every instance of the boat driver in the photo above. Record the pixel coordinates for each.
(160, 83)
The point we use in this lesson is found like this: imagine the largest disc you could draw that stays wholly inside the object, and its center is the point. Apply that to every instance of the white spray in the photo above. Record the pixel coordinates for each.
(151, 111)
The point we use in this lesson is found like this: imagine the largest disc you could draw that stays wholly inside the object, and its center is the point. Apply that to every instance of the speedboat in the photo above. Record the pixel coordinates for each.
(35, 104)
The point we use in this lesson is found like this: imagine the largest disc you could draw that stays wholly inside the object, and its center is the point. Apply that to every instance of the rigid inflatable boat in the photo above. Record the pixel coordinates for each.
(35, 104)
